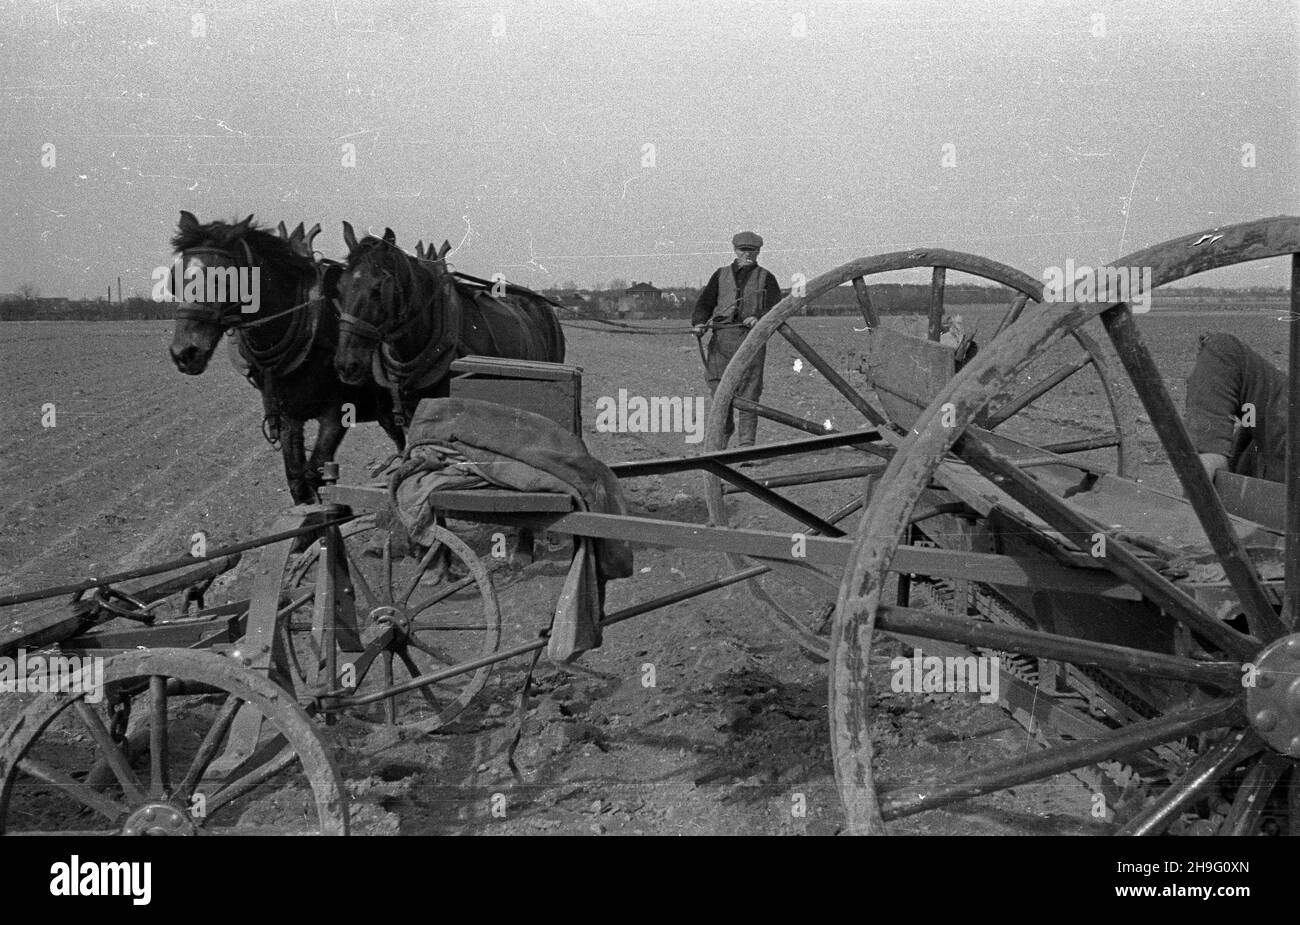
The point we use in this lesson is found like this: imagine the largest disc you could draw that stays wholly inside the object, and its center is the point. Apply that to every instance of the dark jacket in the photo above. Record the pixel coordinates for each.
(707, 303)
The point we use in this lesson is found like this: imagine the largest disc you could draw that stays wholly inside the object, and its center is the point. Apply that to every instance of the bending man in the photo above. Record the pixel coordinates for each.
(1237, 409)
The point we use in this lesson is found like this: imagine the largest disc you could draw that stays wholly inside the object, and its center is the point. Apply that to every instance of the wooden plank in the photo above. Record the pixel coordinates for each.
(834, 551)
(492, 500)
(516, 369)
(1257, 500)
(907, 372)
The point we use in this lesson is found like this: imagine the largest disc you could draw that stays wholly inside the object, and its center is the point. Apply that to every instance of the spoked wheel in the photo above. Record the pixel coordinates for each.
(289, 785)
(395, 625)
(828, 386)
(1222, 689)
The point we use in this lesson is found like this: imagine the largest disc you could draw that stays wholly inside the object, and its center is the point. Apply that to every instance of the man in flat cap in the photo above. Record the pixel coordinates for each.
(736, 296)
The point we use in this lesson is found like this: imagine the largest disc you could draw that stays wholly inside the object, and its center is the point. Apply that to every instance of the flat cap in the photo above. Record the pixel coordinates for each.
(747, 239)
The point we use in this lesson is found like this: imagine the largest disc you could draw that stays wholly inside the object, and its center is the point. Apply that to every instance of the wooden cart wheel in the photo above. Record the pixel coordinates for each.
(404, 628)
(796, 596)
(1245, 734)
(46, 753)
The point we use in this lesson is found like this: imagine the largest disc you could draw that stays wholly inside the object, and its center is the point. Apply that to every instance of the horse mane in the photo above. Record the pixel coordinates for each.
(273, 250)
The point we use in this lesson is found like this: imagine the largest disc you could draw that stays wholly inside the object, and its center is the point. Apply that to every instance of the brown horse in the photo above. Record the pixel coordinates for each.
(287, 342)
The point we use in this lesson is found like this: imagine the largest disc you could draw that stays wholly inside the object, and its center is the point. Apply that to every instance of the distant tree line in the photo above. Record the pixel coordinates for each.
(136, 308)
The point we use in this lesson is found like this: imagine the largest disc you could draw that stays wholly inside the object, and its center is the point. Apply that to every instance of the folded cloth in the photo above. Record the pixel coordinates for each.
(464, 442)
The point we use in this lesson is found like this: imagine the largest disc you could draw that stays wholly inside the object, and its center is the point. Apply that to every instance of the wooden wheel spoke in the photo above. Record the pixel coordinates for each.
(443, 593)
(1018, 403)
(1012, 314)
(909, 621)
(863, 296)
(359, 580)
(838, 382)
(1217, 759)
(937, 282)
(386, 682)
(1252, 796)
(1119, 559)
(158, 781)
(1023, 769)
(388, 568)
(430, 650)
(208, 747)
(113, 755)
(425, 561)
(252, 780)
(414, 671)
(1237, 565)
(87, 796)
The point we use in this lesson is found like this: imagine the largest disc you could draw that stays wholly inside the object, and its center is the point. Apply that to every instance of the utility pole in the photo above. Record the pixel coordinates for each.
(119, 290)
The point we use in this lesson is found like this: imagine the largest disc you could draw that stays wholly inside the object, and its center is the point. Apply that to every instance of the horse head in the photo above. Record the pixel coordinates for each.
(379, 291)
(233, 274)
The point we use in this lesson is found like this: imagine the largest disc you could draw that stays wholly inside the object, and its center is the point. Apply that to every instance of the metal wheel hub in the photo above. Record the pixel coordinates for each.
(392, 615)
(159, 819)
(1273, 703)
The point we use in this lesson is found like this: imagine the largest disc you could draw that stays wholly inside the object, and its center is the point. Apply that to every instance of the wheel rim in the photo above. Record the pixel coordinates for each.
(407, 629)
(860, 609)
(165, 798)
(775, 602)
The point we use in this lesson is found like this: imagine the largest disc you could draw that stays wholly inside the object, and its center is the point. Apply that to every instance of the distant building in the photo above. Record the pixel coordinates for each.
(640, 300)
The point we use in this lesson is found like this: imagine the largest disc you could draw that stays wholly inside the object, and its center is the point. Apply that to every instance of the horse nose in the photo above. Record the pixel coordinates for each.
(349, 370)
(184, 358)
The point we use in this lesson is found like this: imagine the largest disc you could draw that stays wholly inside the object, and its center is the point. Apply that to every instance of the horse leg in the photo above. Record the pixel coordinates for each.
(329, 437)
(388, 421)
(295, 461)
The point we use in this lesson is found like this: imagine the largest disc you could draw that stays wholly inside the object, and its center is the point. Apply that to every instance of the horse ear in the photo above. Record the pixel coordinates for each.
(442, 251)
(349, 237)
(419, 249)
(389, 236)
(244, 225)
(297, 232)
(188, 221)
(310, 236)
(284, 232)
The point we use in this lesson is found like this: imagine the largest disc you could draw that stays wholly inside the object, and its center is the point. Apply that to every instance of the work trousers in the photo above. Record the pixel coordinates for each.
(722, 347)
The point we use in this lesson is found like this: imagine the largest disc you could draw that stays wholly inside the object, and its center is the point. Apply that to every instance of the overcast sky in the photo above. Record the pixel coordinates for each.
(1079, 130)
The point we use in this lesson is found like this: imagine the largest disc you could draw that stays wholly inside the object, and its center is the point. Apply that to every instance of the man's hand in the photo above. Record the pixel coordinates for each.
(1213, 462)
(699, 329)
(749, 322)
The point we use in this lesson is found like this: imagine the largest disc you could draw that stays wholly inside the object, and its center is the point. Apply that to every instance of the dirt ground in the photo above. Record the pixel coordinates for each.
(731, 738)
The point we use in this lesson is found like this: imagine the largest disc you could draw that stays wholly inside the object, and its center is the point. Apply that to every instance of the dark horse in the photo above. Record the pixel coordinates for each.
(404, 319)
(288, 343)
